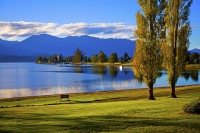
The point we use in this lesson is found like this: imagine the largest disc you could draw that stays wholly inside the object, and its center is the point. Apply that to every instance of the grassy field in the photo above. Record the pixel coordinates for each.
(193, 66)
(188, 67)
(110, 111)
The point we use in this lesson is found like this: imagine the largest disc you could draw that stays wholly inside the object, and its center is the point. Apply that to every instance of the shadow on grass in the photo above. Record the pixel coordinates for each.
(77, 102)
(49, 123)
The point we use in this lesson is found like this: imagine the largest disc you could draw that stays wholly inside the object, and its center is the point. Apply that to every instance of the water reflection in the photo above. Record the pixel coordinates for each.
(56, 79)
(102, 70)
(9, 93)
(113, 71)
(193, 74)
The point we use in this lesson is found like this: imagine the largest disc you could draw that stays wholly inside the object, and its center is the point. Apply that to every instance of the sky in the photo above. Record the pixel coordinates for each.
(19, 19)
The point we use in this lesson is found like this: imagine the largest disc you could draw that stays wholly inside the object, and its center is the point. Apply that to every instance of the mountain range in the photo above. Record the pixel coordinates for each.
(44, 44)
(197, 50)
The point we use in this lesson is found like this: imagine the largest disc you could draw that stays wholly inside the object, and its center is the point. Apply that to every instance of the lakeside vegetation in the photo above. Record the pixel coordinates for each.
(192, 66)
(192, 60)
(109, 111)
(79, 57)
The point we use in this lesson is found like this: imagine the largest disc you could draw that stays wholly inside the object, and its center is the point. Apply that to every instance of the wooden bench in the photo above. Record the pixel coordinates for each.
(64, 96)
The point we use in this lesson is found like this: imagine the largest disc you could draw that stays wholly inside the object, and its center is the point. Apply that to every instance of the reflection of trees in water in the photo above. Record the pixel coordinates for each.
(113, 71)
(78, 69)
(99, 69)
(139, 76)
(159, 74)
(126, 71)
(81, 68)
(193, 74)
(186, 75)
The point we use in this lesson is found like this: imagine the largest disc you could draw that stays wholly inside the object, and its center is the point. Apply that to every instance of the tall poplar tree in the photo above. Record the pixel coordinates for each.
(147, 60)
(176, 43)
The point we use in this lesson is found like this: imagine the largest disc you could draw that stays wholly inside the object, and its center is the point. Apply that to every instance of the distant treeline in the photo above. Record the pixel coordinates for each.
(193, 58)
(79, 57)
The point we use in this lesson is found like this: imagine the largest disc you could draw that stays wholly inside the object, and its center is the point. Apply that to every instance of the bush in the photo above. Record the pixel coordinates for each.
(193, 107)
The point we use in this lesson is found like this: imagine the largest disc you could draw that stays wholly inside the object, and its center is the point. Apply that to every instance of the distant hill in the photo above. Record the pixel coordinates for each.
(7, 43)
(195, 50)
(16, 58)
(44, 44)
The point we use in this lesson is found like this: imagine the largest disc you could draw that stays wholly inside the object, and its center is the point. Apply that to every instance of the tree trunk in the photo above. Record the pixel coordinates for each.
(173, 83)
(151, 96)
(173, 92)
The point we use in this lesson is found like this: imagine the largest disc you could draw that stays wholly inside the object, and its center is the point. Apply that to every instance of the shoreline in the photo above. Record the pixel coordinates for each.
(164, 88)
(189, 66)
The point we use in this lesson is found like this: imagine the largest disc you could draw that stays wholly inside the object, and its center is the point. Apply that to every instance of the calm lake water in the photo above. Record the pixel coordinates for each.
(30, 79)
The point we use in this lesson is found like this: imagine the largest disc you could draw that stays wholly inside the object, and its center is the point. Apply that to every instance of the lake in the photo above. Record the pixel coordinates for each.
(30, 79)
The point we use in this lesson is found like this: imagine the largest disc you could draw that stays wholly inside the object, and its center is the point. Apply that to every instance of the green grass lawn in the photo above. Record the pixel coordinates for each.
(111, 111)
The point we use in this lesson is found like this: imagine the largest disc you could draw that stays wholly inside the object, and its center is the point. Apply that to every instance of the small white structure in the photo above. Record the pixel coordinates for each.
(120, 68)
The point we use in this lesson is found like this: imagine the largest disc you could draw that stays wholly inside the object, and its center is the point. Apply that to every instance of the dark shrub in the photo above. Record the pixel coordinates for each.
(193, 107)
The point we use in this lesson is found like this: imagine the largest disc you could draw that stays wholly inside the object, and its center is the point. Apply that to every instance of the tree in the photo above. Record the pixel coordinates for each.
(95, 58)
(113, 58)
(188, 58)
(53, 59)
(39, 60)
(176, 43)
(147, 59)
(194, 58)
(44, 59)
(87, 59)
(126, 57)
(102, 57)
(78, 56)
(60, 58)
(69, 58)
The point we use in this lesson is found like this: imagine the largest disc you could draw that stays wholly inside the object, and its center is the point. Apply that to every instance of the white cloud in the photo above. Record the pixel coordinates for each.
(197, 26)
(21, 30)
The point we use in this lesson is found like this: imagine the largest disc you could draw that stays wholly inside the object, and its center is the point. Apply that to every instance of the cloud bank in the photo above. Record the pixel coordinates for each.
(21, 30)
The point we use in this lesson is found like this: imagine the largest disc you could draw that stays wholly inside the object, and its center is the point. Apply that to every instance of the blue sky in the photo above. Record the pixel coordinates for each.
(20, 19)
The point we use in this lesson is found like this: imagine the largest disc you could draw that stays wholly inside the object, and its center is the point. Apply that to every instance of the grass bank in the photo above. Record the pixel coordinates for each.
(187, 67)
(111, 64)
(110, 111)
(193, 66)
